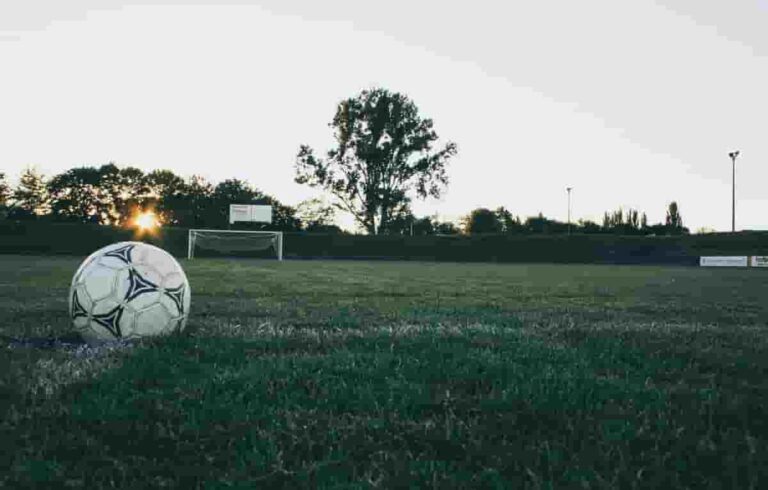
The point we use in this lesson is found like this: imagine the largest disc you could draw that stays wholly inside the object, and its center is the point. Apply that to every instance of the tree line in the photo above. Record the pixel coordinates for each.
(110, 195)
(620, 222)
(385, 155)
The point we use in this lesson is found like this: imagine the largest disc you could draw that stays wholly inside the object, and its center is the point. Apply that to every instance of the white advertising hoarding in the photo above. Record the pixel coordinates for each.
(759, 261)
(250, 212)
(724, 261)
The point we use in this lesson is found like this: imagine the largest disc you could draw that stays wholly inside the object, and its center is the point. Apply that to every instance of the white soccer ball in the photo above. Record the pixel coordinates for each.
(128, 290)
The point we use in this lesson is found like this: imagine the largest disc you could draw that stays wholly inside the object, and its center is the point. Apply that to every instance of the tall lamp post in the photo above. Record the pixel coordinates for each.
(569, 208)
(733, 156)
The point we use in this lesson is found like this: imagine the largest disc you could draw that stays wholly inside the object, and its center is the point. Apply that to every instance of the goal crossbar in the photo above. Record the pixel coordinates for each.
(192, 239)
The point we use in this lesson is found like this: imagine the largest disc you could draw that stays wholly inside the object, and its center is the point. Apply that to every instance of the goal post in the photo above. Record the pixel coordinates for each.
(234, 241)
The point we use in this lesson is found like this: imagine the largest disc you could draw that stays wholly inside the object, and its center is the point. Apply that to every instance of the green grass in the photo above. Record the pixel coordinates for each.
(398, 374)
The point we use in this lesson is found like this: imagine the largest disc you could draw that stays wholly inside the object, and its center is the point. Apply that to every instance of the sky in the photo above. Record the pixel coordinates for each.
(632, 104)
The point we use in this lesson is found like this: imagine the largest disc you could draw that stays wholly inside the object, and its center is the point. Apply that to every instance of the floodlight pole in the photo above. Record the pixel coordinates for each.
(569, 208)
(733, 156)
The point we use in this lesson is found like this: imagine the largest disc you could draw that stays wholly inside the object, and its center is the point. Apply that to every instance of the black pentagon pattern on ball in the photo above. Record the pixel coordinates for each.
(111, 320)
(77, 308)
(138, 285)
(177, 295)
(122, 253)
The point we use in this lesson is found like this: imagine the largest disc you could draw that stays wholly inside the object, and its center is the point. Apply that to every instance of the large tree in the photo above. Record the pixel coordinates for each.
(384, 152)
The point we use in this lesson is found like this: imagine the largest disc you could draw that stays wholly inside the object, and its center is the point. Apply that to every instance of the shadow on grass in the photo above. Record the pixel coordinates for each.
(70, 339)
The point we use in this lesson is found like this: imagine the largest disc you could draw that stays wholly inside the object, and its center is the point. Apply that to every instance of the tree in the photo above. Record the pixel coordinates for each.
(317, 216)
(384, 153)
(164, 189)
(5, 190)
(163, 183)
(674, 221)
(629, 223)
(606, 221)
(508, 222)
(231, 191)
(541, 224)
(633, 219)
(406, 223)
(423, 226)
(589, 227)
(74, 195)
(105, 195)
(121, 192)
(31, 197)
(5, 196)
(446, 228)
(537, 224)
(234, 191)
(617, 220)
(482, 220)
(193, 206)
(657, 229)
(400, 221)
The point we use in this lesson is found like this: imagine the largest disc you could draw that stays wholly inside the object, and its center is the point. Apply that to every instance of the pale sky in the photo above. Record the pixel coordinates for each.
(633, 104)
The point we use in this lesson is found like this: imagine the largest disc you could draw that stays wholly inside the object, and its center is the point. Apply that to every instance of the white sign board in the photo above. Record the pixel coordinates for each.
(723, 261)
(250, 212)
(759, 261)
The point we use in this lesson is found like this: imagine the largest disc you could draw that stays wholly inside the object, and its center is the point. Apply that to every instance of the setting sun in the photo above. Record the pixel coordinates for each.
(146, 221)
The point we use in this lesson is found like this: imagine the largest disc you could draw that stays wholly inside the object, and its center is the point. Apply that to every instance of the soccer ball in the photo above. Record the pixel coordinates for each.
(128, 290)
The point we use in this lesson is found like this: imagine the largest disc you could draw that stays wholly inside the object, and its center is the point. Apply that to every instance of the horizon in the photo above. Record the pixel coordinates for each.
(585, 99)
(150, 211)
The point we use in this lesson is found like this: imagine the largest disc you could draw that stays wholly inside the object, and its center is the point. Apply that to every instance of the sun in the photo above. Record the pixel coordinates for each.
(146, 221)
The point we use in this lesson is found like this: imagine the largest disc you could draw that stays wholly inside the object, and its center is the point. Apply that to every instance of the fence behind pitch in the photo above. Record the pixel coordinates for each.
(81, 239)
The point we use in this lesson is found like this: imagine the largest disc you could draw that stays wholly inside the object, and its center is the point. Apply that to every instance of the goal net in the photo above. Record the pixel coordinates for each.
(235, 242)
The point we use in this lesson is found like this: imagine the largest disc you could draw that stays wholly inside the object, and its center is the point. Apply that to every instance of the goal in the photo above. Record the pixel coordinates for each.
(235, 241)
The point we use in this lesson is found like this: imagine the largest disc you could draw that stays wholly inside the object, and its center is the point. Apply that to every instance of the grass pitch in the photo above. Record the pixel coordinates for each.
(381, 374)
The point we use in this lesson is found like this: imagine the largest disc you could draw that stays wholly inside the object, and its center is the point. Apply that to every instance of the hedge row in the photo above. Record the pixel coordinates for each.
(82, 239)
